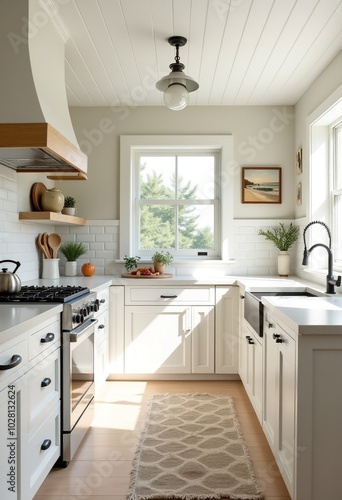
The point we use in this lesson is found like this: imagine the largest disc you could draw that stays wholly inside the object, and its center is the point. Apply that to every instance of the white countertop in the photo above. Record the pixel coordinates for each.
(303, 315)
(16, 319)
(308, 315)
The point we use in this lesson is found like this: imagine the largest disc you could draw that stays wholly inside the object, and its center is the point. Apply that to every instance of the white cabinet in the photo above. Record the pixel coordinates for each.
(279, 412)
(116, 329)
(157, 339)
(101, 358)
(42, 413)
(227, 330)
(251, 366)
(29, 409)
(169, 330)
(13, 433)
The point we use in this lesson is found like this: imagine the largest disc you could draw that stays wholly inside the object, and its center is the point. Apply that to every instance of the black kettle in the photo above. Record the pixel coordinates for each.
(9, 282)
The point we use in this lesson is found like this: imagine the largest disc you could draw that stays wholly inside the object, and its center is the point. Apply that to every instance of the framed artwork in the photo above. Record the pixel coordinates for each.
(299, 161)
(261, 184)
(299, 193)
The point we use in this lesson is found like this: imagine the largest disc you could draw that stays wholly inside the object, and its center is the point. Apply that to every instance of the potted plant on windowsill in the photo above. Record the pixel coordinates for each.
(69, 206)
(72, 251)
(160, 260)
(283, 238)
(131, 263)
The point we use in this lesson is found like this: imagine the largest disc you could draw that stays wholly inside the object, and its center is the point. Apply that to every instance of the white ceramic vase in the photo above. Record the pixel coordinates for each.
(70, 268)
(283, 264)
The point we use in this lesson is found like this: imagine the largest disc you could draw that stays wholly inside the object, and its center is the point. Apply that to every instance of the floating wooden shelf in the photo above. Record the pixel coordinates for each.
(56, 218)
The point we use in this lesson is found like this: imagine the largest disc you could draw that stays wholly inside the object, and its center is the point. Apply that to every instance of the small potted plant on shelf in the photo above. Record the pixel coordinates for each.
(283, 238)
(69, 206)
(72, 251)
(160, 260)
(131, 263)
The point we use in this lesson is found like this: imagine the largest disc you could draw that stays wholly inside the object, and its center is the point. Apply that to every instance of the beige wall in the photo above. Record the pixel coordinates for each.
(262, 136)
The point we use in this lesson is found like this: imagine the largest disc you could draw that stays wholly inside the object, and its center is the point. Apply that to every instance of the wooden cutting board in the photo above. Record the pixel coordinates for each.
(37, 191)
(129, 275)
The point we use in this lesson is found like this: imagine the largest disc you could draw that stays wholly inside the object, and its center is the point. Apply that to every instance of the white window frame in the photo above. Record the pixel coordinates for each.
(130, 143)
(321, 171)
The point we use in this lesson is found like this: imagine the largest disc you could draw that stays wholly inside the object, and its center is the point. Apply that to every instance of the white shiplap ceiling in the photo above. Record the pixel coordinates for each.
(241, 52)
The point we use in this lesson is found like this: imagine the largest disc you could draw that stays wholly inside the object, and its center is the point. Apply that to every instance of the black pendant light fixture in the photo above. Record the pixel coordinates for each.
(177, 85)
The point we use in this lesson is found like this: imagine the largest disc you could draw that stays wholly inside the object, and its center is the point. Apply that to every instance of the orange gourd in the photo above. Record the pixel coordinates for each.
(88, 269)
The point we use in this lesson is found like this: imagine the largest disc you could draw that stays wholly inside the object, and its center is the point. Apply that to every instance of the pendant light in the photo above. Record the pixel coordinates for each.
(177, 85)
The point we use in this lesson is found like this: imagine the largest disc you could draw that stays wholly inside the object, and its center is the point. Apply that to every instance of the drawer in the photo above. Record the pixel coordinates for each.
(169, 295)
(8, 351)
(43, 387)
(39, 460)
(42, 339)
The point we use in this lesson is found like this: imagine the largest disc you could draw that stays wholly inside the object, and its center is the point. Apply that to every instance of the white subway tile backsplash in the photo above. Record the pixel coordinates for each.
(252, 254)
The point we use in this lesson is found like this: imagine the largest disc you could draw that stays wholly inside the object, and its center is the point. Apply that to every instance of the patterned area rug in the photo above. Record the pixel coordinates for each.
(192, 448)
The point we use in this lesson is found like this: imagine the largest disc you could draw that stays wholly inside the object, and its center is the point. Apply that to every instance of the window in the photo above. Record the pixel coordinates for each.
(177, 202)
(336, 194)
(325, 139)
(176, 194)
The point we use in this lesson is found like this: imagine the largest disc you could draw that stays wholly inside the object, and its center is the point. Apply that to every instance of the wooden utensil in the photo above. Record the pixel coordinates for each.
(46, 245)
(42, 247)
(54, 241)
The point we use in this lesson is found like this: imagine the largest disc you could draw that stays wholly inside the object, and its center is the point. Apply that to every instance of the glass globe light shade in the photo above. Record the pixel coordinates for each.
(176, 96)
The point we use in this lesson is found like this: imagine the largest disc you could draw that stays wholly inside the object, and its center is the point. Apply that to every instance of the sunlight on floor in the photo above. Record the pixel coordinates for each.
(124, 411)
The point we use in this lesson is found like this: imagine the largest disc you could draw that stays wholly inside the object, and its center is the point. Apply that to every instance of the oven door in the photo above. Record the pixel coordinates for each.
(78, 373)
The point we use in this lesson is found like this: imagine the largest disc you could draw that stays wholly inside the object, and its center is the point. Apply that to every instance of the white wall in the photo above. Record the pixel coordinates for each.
(262, 135)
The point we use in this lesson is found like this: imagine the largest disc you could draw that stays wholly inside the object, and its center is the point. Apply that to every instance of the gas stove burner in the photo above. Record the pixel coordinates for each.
(45, 294)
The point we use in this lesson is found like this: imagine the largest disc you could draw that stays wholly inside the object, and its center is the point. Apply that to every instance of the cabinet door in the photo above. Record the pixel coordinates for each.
(202, 337)
(251, 367)
(280, 393)
(227, 330)
(13, 438)
(116, 329)
(101, 363)
(157, 339)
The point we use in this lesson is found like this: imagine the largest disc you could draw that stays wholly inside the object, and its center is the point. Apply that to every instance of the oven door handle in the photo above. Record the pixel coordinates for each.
(76, 335)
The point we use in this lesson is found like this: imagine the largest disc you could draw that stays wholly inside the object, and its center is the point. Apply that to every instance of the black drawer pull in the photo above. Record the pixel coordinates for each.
(101, 326)
(103, 301)
(168, 296)
(49, 337)
(46, 444)
(45, 382)
(249, 339)
(16, 359)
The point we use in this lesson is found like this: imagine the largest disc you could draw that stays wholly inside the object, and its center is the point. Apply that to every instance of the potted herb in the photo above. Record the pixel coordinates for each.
(69, 205)
(72, 251)
(131, 263)
(283, 238)
(160, 260)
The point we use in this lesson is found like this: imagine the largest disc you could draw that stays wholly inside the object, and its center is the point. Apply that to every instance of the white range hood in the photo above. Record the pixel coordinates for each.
(36, 133)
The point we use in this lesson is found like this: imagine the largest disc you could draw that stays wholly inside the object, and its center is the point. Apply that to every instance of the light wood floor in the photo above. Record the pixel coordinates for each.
(101, 467)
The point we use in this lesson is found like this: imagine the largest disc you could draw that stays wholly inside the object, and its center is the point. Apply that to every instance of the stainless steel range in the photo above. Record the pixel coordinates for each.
(77, 383)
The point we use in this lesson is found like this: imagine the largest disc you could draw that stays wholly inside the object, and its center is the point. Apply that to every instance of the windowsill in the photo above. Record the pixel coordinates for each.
(180, 263)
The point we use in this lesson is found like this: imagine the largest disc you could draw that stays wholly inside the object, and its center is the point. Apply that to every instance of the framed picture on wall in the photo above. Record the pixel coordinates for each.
(299, 161)
(261, 184)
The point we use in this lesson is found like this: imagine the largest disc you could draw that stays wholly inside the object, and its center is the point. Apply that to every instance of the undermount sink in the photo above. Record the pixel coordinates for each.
(254, 309)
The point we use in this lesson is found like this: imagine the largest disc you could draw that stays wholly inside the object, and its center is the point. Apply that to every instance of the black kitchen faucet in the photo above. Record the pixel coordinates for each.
(331, 281)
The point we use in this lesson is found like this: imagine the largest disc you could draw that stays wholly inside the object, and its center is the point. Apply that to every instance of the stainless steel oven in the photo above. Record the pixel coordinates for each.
(77, 386)
(78, 324)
